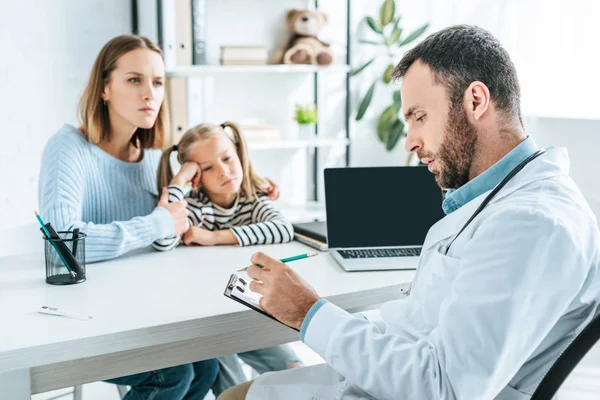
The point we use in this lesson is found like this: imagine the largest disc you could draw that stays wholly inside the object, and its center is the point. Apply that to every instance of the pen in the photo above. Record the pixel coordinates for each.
(53, 244)
(57, 311)
(75, 240)
(285, 260)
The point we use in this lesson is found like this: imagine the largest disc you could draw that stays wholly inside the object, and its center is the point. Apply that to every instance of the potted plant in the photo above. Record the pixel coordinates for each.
(390, 123)
(306, 117)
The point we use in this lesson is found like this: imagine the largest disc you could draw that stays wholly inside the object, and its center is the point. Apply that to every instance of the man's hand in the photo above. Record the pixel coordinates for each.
(201, 236)
(178, 211)
(273, 190)
(286, 296)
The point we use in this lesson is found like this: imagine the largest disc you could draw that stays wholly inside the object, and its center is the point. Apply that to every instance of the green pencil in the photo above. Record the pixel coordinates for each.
(285, 260)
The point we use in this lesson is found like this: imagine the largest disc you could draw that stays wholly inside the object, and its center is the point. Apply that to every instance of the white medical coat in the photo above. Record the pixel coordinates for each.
(485, 321)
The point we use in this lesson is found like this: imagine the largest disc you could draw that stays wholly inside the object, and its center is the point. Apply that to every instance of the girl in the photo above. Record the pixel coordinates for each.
(228, 202)
(227, 205)
(100, 177)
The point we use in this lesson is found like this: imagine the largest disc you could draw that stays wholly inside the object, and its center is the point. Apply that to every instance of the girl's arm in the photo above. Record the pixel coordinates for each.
(268, 225)
(61, 194)
(195, 217)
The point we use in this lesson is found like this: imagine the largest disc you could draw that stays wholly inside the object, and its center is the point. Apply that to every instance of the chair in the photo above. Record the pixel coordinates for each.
(568, 360)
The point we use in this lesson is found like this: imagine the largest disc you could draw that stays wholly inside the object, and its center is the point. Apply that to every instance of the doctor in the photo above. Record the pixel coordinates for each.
(490, 308)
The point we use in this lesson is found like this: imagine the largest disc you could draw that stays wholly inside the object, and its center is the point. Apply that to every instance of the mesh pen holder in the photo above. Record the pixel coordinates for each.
(66, 250)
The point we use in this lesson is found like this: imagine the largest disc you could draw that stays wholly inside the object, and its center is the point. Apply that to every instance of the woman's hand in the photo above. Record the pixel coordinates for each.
(273, 191)
(189, 172)
(178, 211)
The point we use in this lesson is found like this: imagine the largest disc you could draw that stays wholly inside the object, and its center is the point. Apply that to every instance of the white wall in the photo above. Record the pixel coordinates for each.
(47, 50)
(553, 45)
(582, 140)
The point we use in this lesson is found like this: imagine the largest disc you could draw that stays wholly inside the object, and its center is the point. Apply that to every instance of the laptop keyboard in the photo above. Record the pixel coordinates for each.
(377, 253)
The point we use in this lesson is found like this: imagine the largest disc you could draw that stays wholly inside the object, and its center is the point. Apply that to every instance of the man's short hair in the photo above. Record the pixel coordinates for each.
(461, 54)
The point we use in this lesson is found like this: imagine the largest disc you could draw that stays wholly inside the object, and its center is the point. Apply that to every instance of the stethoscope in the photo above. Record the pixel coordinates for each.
(486, 201)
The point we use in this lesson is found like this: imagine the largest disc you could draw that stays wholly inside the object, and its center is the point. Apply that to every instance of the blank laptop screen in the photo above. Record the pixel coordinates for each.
(380, 206)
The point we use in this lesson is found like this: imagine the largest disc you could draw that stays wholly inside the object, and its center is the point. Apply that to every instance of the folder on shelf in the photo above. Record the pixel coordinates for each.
(183, 32)
(168, 41)
(197, 99)
(177, 98)
(238, 289)
(199, 32)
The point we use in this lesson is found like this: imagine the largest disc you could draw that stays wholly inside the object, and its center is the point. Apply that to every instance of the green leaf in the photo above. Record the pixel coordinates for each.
(395, 35)
(374, 25)
(386, 12)
(397, 100)
(394, 134)
(385, 121)
(370, 42)
(413, 35)
(361, 68)
(364, 104)
(387, 74)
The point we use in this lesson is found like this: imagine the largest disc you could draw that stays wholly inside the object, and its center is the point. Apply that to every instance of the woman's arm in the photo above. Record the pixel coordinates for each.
(195, 217)
(61, 196)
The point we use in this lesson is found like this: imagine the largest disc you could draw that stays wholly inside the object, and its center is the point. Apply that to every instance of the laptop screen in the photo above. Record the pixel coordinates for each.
(380, 206)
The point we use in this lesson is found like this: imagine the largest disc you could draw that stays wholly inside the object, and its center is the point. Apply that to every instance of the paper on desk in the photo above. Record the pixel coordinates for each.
(247, 295)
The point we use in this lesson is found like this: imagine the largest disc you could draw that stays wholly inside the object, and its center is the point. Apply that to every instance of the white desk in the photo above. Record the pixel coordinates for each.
(151, 310)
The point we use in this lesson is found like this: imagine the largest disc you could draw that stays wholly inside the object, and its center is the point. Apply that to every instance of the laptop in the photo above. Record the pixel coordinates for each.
(378, 217)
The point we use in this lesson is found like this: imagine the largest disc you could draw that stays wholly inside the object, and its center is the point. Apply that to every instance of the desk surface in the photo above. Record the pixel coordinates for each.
(148, 298)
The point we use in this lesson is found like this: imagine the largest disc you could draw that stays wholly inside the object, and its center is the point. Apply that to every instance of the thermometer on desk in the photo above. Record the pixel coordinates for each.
(57, 311)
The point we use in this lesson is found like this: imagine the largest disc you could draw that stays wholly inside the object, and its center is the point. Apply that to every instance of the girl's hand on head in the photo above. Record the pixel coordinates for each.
(200, 236)
(178, 211)
(189, 172)
(273, 191)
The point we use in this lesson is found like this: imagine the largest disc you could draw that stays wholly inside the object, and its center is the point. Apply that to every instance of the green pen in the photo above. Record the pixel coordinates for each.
(53, 244)
(286, 260)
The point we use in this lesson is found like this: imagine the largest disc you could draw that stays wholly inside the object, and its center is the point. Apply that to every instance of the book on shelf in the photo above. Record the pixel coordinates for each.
(259, 133)
(243, 55)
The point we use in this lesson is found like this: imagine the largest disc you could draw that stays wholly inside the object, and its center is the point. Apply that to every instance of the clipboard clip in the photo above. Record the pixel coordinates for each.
(232, 282)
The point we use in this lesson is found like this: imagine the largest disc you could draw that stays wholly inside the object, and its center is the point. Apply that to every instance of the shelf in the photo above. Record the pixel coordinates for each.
(296, 144)
(200, 70)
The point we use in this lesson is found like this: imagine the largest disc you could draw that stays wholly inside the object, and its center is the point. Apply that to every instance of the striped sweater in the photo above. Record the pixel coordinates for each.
(252, 222)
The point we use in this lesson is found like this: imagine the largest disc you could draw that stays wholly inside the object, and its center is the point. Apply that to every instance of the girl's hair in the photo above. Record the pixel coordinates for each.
(252, 183)
(93, 113)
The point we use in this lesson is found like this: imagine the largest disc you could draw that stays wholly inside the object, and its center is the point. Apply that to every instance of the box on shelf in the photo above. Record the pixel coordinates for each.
(243, 55)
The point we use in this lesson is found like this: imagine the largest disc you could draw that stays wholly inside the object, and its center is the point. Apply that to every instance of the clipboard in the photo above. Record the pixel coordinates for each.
(238, 289)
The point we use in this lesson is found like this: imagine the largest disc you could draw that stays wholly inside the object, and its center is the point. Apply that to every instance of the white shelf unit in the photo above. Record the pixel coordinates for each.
(297, 144)
(215, 93)
(202, 70)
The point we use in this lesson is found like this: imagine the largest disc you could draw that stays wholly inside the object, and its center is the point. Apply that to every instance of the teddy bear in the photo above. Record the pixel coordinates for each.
(304, 47)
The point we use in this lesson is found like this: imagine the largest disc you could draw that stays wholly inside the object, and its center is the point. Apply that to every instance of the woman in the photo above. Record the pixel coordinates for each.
(101, 178)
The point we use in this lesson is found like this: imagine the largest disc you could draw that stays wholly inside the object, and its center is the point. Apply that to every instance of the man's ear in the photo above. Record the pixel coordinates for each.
(477, 100)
